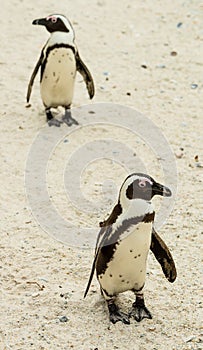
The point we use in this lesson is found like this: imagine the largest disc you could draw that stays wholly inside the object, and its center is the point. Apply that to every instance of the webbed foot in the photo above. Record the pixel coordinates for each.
(54, 122)
(50, 119)
(115, 315)
(68, 119)
(139, 310)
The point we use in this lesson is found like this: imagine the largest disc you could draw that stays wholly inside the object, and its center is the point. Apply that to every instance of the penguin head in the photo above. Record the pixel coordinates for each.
(141, 186)
(55, 23)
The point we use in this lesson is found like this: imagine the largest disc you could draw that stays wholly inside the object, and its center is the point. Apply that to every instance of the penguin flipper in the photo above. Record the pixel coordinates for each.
(101, 238)
(90, 278)
(163, 256)
(34, 73)
(84, 71)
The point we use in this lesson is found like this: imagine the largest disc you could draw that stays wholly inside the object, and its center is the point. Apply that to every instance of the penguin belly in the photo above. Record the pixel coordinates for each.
(127, 268)
(57, 84)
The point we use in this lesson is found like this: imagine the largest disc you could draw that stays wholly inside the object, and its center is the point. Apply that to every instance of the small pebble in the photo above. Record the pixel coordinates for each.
(63, 319)
(198, 165)
(174, 53)
(194, 86)
(160, 66)
(128, 93)
(197, 162)
(43, 279)
(189, 339)
(152, 329)
(144, 66)
(34, 295)
(179, 155)
(179, 24)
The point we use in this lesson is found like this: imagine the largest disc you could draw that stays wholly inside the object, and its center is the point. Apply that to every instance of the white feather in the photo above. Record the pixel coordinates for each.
(61, 38)
(57, 84)
(127, 269)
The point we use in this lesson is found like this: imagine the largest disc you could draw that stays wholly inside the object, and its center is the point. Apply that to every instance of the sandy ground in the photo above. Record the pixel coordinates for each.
(127, 45)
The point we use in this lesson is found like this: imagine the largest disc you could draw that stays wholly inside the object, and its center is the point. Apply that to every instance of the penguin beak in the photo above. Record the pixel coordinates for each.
(40, 21)
(161, 190)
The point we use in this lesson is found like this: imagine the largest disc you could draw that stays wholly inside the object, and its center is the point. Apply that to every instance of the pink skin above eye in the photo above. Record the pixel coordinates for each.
(52, 18)
(142, 183)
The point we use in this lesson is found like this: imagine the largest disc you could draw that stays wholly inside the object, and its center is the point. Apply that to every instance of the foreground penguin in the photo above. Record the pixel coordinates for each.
(123, 245)
(59, 62)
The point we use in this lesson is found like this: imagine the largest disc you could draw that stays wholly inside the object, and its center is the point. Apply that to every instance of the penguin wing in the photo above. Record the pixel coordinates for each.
(101, 236)
(163, 256)
(106, 228)
(84, 71)
(29, 90)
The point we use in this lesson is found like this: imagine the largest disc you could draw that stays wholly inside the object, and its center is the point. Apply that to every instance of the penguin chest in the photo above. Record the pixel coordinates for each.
(127, 268)
(57, 83)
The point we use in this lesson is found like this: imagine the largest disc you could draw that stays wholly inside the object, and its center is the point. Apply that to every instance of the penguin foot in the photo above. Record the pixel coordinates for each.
(68, 119)
(50, 119)
(54, 122)
(139, 311)
(116, 315)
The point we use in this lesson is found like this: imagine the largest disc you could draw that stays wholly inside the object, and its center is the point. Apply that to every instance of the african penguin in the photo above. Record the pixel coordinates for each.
(123, 244)
(59, 62)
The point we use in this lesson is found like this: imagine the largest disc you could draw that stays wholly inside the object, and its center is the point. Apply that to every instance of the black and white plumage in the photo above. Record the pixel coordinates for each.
(59, 62)
(123, 244)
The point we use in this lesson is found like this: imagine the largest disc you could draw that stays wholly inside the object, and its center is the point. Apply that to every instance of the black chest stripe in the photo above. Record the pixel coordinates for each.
(109, 244)
(51, 48)
(117, 210)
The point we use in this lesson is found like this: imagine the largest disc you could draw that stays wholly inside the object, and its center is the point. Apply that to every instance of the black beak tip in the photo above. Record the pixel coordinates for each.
(35, 21)
(167, 192)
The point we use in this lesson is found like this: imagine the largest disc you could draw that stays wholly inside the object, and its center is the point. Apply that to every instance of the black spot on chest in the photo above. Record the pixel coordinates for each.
(51, 49)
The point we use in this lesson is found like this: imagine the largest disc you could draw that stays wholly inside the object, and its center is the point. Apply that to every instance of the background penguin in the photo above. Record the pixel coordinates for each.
(59, 62)
(123, 244)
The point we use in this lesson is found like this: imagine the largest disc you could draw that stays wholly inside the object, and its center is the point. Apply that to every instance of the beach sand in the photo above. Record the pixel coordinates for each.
(144, 55)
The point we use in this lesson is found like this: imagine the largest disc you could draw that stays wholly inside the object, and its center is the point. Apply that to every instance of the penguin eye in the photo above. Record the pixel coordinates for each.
(53, 19)
(142, 184)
